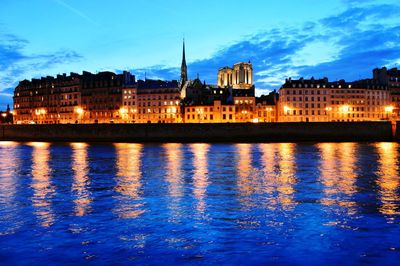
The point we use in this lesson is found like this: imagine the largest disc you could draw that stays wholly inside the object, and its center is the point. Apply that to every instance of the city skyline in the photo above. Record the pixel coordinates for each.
(337, 39)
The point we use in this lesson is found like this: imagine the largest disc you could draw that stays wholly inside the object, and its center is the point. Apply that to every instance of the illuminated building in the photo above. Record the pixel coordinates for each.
(390, 78)
(240, 76)
(158, 102)
(7, 116)
(322, 101)
(266, 110)
(86, 98)
(102, 96)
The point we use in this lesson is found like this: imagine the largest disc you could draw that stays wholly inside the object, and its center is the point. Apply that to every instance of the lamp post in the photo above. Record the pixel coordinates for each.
(80, 113)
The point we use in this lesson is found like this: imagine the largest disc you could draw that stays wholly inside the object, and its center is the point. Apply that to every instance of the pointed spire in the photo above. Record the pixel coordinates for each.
(183, 53)
(183, 66)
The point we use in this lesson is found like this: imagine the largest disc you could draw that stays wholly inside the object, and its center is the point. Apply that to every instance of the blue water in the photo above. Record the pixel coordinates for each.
(124, 204)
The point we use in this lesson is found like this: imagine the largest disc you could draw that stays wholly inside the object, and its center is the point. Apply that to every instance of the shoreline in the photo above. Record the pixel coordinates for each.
(209, 133)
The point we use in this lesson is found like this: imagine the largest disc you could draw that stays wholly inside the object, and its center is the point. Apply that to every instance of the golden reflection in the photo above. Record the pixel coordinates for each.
(279, 169)
(42, 187)
(8, 144)
(80, 167)
(174, 175)
(388, 177)
(286, 177)
(338, 173)
(200, 164)
(8, 163)
(245, 184)
(269, 163)
(129, 177)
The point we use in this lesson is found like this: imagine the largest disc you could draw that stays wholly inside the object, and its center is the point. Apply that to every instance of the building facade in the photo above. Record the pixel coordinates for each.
(391, 79)
(322, 101)
(157, 102)
(240, 76)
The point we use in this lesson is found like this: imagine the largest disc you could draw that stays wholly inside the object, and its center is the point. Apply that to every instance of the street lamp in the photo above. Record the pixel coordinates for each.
(389, 110)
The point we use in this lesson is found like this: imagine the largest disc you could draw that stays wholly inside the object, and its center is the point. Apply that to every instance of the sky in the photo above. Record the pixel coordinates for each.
(338, 39)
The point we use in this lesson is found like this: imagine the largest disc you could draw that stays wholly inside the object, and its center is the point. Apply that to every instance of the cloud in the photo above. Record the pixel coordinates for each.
(76, 12)
(347, 46)
(16, 65)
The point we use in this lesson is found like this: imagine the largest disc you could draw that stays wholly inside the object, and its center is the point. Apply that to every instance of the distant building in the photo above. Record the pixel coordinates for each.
(240, 76)
(391, 79)
(266, 108)
(157, 102)
(7, 116)
(322, 101)
(86, 98)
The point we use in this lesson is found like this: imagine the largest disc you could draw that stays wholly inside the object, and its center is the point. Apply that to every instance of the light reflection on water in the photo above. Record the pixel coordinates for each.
(199, 203)
(81, 180)
(129, 179)
(43, 190)
(389, 179)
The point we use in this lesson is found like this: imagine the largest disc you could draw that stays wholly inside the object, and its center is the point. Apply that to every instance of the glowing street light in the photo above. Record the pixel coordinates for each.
(389, 109)
(79, 111)
(344, 108)
(123, 111)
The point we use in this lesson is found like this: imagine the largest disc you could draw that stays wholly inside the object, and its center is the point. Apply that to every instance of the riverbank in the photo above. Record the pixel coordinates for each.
(228, 132)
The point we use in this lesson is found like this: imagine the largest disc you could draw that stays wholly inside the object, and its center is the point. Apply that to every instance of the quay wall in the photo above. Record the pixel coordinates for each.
(203, 132)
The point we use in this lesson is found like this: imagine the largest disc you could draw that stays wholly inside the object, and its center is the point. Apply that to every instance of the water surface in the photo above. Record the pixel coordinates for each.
(325, 203)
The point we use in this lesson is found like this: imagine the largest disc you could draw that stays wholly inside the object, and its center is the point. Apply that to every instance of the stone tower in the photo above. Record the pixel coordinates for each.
(184, 76)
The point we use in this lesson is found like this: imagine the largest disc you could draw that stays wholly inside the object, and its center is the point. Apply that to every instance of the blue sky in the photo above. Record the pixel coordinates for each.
(282, 38)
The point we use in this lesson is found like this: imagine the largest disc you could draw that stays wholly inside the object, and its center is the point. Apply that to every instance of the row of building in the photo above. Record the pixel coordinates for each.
(107, 97)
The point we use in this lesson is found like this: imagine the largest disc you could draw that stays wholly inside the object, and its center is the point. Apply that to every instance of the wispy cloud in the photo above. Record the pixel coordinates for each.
(76, 12)
(16, 65)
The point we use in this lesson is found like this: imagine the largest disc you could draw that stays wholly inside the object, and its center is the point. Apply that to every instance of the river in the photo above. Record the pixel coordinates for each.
(119, 204)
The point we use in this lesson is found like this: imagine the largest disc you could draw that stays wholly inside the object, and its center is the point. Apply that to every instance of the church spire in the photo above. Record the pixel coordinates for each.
(184, 77)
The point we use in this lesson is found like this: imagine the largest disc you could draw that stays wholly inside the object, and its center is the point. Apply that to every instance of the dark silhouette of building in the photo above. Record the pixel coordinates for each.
(184, 75)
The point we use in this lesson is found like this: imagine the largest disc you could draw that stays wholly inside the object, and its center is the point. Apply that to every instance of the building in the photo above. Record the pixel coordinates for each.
(232, 100)
(240, 76)
(157, 102)
(322, 101)
(7, 116)
(266, 108)
(86, 98)
(102, 96)
(391, 79)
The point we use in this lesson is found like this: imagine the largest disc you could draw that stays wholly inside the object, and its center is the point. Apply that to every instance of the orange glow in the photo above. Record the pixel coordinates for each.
(123, 111)
(337, 173)
(79, 111)
(129, 176)
(286, 178)
(173, 152)
(389, 180)
(244, 168)
(43, 190)
(200, 180)
(389, 109)
(80, 166)
(344, 108)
